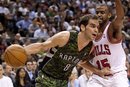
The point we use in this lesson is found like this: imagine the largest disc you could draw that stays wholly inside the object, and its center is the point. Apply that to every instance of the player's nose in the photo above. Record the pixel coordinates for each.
(96, 30)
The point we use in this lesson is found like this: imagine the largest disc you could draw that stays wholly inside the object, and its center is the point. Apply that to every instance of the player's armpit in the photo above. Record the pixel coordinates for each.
(114, 35)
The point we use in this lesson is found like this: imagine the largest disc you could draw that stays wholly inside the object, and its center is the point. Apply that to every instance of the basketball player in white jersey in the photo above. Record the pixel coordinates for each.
(108, 49)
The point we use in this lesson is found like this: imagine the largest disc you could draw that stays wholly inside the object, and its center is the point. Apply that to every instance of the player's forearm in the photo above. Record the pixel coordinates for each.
(119, 9)
(88, 65)
(118, 22)
(33, 48)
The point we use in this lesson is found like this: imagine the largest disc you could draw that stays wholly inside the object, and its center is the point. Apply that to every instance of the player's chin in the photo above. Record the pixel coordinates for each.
(93, 38)
(100, 21)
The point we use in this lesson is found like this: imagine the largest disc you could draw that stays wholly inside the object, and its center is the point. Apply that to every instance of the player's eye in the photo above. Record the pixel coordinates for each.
(92, 25)
(97, 12)
(101, 12)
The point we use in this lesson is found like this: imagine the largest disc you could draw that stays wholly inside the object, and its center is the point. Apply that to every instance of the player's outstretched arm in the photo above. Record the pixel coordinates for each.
(116, 26)
(37, 47)
(58, 39)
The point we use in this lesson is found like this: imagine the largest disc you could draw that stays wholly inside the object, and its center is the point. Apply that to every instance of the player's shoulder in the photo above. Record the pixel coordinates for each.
(62, 34)
(67, 33)
(60, 38)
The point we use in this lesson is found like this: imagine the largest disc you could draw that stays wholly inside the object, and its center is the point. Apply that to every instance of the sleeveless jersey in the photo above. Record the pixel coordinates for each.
(108, 54)
(61, 60)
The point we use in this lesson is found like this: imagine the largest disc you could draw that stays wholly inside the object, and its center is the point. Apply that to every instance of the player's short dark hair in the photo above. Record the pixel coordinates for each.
(110, 8)
(85, 19)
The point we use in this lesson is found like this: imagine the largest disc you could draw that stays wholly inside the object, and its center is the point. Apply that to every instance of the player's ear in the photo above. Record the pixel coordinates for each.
(82, 27)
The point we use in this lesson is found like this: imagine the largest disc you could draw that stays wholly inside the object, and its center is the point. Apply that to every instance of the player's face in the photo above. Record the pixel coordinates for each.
(91, 30)
(102, 13)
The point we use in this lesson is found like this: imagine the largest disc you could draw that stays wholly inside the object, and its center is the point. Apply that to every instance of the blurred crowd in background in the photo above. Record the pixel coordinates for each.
(28, 21)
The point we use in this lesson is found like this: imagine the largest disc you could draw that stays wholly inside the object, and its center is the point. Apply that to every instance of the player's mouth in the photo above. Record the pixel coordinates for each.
(94, 35)
(100, 19)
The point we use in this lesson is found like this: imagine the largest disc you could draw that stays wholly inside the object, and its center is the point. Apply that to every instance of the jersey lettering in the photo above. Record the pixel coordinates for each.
(67, 67)
(102, 50)
(103, 63)
(72, 59)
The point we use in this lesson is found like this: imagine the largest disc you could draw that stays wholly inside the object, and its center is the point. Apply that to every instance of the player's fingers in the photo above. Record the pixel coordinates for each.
(107, 68)
(106, 71)
(109, 71)
(105, 77)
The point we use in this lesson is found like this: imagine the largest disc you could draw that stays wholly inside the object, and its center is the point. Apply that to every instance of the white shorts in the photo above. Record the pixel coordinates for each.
(117, 80)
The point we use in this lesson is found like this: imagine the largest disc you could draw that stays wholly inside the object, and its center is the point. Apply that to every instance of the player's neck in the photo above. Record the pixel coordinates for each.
(82, 37)
(82, 41)
(103, 26)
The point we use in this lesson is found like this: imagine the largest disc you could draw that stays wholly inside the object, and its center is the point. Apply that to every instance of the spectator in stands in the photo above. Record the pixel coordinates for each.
(30, 75)
(42, 32)
(33, 27)
(35, 68)
(23, 25)
(20, 80)
(17, 39)
(84, 78)
(4, 11)
(2, 48)
(40, 14)
(23, 8)
(73, 80)
(73, 26)
(4, 80)
(1, 28)
(8, 71)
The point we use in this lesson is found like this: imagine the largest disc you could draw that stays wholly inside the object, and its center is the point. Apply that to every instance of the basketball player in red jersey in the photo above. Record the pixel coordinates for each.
(108, 49)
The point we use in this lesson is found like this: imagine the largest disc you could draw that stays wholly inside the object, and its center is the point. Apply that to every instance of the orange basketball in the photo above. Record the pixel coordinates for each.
(15, 55)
